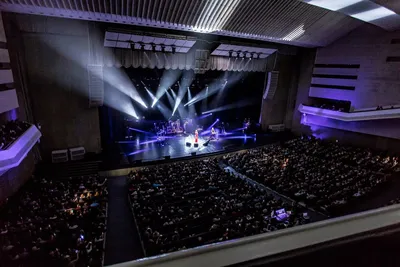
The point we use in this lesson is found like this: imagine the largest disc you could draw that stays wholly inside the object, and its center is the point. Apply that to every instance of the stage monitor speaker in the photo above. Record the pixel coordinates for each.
(206, 143)
(193, 153)
(167, 157)
(188, 144)
(196, 145)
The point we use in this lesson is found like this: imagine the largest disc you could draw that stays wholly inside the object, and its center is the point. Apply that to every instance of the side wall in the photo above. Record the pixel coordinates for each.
(378, 80)
(377, 84)
(11, 180)
(55, 53)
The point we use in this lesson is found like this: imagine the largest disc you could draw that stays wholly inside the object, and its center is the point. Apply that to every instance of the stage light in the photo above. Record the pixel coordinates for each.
(163, 48)
(238, 54)
(173, 49)
(230, 53)
(132, 46)
(142, 46)
(153, 47)
(251, 55)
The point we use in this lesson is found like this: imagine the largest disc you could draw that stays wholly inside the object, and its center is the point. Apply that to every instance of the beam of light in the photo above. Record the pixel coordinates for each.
(148, 142)
(206, 92)
(139, 151)
(119, 80)
(296, 33)
(168, 78)
(153, 98)
(181, 110)
(192, 109)
(373, 14)
(234, 137)
(204, 116)
(333, 5)
(160, 106)
(186, 81)
(170, 99)
(239, 129)
(239, 104)
(122, 103)
(138, 130)
(121, 92)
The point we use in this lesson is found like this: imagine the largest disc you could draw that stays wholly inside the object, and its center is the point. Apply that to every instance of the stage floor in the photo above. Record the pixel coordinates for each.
(148, 148)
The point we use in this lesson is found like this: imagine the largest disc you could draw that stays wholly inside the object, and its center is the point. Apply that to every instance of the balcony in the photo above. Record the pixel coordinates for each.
(16, 152)
(8, 100)
(366, 115)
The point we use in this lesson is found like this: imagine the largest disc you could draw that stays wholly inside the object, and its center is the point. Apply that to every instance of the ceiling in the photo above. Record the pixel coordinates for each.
(283, 21)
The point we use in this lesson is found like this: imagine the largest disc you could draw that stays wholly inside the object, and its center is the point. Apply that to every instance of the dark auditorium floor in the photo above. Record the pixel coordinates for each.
(122, 243)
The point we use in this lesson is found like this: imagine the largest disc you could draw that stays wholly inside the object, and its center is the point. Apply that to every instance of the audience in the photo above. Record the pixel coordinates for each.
(323, 175)
(55, 223)
(10, 131)
(188, 204)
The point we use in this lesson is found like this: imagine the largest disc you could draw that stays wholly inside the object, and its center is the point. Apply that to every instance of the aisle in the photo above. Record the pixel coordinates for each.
(122, 243)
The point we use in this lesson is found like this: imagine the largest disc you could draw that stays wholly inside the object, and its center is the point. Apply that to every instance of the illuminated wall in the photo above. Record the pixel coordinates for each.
(55, 53)
(362, 67)
(365, 71)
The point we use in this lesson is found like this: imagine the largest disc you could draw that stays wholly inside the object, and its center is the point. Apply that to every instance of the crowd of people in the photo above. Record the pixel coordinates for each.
(10, 131)
(189, 204)
(55, 223)
(323, 175)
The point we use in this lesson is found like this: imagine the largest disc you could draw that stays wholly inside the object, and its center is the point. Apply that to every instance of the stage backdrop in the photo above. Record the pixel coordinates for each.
(233, 96)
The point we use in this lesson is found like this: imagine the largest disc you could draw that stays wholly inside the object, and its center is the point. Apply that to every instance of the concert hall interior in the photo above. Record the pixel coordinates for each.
(199, 133)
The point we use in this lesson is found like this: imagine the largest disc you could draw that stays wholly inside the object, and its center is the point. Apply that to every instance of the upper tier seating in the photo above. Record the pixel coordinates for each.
(10, 131)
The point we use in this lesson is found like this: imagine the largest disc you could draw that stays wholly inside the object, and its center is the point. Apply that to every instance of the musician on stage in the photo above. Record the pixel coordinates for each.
(213, 133)
(196, 136)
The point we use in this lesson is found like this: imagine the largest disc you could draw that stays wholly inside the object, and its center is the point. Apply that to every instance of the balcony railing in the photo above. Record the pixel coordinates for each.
(351, 116)
(16, 152)
(274, 243)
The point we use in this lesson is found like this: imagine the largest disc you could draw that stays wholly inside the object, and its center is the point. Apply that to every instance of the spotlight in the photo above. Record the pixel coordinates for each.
(153, 47)
(238, 54)
(163, 48)
(173, 49)
(251, 55)
(142, 46)
(259, 55)
(132, 46)
(230, 53)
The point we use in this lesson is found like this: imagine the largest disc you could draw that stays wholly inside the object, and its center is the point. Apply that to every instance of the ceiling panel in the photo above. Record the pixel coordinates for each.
(283, 21)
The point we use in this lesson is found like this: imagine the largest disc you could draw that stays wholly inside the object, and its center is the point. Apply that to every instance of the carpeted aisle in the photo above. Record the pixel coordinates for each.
(122, 243)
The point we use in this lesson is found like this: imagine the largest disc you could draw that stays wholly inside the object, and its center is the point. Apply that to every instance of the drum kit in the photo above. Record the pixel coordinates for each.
(174, 127)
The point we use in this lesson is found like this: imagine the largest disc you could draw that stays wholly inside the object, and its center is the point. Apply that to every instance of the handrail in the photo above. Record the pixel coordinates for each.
(17, 151)
(350, 116)
(269, 244)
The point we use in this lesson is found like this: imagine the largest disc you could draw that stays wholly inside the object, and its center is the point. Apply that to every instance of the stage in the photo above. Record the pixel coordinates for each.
(149, 148)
